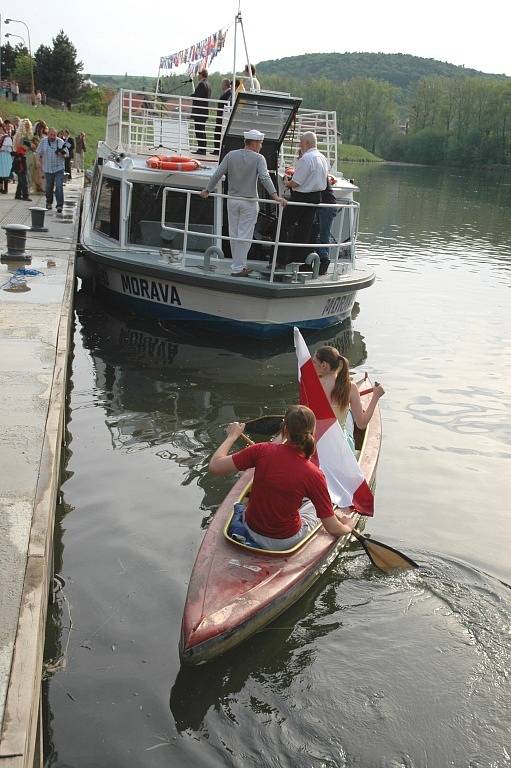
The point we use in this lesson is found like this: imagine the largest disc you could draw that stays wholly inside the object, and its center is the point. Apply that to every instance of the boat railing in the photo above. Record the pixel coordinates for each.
(323, 124)
(143, 123)
(350, 209)
(140, 122)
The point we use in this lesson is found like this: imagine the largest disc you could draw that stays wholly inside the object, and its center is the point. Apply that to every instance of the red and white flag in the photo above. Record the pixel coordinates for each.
(346, 483)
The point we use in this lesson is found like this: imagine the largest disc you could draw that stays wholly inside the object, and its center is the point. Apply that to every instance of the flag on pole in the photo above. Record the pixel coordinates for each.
(346, 483)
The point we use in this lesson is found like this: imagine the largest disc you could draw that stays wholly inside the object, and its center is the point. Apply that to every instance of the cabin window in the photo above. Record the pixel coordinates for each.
(107, 212)
(145, 220)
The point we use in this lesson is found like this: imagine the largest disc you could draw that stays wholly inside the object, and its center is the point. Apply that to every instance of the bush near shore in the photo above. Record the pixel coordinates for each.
(352, 153)
(93, 127)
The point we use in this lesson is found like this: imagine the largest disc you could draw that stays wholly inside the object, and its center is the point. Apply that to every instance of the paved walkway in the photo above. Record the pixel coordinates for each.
(35, 321)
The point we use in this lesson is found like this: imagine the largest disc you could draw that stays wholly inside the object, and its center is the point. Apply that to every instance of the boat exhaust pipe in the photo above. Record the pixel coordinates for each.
(313, 258)
(213, 250)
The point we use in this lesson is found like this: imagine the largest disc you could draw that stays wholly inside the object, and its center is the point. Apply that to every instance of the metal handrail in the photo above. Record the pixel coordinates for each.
(138, 121)
(276, 243)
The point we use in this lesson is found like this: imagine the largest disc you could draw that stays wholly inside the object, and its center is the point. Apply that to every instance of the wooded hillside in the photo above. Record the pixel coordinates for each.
(399, 69)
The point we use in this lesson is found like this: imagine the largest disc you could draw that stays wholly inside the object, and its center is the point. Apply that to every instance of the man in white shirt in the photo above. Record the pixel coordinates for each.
(309, 180)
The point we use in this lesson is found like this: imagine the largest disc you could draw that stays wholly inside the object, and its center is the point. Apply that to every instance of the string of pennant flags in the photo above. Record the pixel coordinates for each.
(198, 56)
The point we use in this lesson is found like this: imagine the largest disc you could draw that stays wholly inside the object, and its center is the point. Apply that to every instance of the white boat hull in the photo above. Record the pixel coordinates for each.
(166, 299)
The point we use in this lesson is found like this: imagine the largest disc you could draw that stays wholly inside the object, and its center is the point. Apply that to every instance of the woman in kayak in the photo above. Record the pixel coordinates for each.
(334, 373)
(284, 476)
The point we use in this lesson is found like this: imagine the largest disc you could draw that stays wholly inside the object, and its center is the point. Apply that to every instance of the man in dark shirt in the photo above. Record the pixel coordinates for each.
(224, 99)
(200, 110)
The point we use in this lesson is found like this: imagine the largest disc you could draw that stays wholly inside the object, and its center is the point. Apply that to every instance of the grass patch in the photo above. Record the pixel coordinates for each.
(94, 127)
(355, 154)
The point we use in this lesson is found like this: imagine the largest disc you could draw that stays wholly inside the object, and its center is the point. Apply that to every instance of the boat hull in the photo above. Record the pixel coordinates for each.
(234, 592)
(154, 293)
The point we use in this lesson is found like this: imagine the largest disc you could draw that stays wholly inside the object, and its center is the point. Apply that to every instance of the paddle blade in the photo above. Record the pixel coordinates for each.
(386, 558)
(264, 425)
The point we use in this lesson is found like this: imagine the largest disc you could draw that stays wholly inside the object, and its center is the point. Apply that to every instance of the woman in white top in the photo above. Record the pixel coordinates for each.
(5, 160)
(251, 83)
(334, 373)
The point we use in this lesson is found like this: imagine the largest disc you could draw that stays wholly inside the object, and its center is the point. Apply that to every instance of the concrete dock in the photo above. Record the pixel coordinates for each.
(35, 326)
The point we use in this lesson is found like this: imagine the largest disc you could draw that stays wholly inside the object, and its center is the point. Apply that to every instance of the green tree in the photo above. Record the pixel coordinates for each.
(65, 69)
(93, 102)
(43, 64)
(23, 72)
(8, 60)
(58, 71)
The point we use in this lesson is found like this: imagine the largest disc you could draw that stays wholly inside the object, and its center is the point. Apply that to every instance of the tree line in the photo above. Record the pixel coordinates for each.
(445, 120)
(56, 68)
(449, 121)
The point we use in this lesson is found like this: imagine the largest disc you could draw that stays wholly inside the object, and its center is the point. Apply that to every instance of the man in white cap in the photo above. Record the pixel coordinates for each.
(243, 167)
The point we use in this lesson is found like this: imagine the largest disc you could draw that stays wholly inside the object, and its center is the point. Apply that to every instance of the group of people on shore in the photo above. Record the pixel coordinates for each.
(41, 157)
(11, 90)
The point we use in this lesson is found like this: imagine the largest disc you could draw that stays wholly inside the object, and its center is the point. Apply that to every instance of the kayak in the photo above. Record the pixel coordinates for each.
(236, 589)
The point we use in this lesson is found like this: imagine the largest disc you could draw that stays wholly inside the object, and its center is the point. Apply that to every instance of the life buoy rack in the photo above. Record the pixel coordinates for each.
(172, 163)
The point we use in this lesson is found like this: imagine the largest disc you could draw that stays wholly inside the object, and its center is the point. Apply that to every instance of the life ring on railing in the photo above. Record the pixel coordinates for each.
(172, 163)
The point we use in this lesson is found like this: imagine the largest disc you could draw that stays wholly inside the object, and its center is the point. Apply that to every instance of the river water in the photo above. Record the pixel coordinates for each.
(367, 670)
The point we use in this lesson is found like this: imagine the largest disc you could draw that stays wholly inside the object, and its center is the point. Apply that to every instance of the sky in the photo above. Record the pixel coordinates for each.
(114, 37)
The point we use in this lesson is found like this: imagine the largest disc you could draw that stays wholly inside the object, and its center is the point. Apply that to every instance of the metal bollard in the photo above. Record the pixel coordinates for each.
(16, 241)
(38, 219)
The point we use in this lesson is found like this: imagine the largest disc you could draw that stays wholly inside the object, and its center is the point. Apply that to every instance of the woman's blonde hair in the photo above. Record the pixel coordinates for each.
(300, 424)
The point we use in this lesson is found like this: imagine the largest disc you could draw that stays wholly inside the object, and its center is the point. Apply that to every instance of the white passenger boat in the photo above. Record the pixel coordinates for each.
(152, 242)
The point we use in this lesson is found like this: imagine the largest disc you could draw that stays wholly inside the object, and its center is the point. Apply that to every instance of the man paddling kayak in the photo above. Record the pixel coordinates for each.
(284, 476)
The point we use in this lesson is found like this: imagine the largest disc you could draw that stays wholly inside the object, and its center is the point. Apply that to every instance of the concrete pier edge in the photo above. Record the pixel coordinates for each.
(20, 741)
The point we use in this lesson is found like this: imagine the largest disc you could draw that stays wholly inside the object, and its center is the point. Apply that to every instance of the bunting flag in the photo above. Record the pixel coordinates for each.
(197, 56)
(346, 483)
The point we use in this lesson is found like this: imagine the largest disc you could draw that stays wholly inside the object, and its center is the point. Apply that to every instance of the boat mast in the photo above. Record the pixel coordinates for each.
(158, 80)
(249, 65)
(233, 87)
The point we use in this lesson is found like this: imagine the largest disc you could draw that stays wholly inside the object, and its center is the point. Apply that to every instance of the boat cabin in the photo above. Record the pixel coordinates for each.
(137, 207)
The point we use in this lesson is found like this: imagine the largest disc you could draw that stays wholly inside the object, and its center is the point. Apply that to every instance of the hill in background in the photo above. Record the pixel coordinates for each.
(400, 69)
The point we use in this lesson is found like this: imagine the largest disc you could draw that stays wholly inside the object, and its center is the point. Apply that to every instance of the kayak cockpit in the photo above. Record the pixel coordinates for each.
(236, 533)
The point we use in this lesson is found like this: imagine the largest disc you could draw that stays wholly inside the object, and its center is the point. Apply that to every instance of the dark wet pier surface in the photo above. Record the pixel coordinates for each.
(367, 670)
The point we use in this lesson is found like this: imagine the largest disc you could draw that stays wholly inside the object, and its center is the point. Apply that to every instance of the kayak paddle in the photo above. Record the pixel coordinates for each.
(383, 556)
(271, 424)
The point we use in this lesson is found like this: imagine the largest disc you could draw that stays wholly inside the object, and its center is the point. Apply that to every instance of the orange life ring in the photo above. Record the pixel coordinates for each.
(172, 163)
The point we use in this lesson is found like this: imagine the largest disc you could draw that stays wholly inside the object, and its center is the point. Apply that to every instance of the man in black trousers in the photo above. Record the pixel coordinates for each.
(309, 180)
(224, 99)
(200, 110)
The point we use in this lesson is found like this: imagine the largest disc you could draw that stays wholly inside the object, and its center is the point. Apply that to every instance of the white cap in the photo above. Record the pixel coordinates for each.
(253, 135)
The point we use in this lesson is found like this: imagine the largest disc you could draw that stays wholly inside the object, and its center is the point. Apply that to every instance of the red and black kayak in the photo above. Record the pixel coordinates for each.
(235, 589)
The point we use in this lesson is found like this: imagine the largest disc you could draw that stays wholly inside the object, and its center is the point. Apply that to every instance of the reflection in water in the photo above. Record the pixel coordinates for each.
(165, 387)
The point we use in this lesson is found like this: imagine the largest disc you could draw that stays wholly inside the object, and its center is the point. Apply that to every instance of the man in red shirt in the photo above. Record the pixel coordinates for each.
(284, 476)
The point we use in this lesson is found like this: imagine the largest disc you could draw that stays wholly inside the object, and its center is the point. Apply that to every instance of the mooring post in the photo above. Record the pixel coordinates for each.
(38, 214)
(16, 241)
